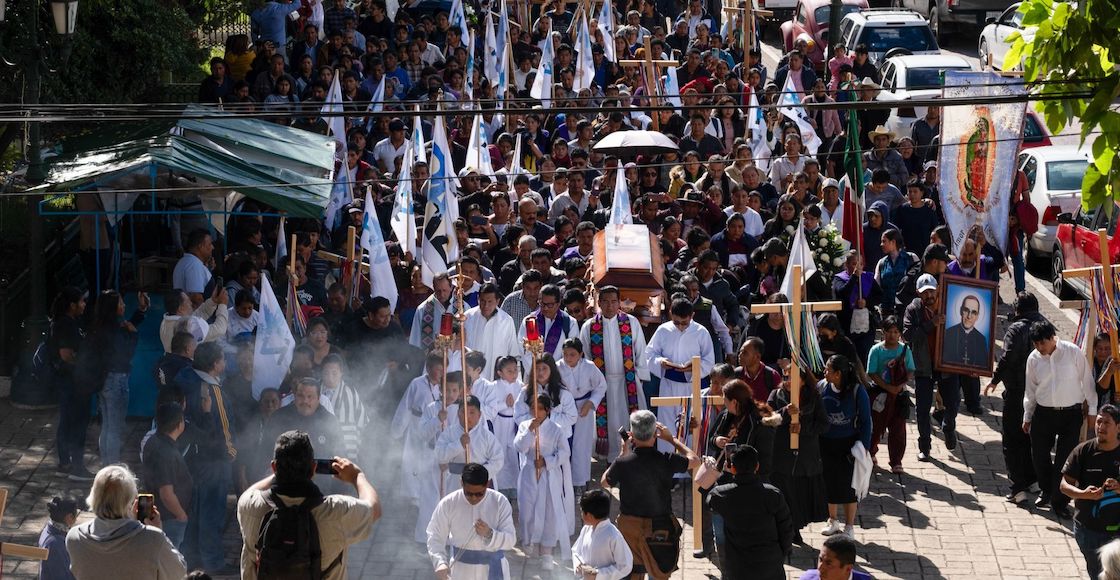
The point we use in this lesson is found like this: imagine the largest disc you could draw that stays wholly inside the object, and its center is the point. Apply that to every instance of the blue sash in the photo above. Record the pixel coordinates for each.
(482, 558)
(679, 377)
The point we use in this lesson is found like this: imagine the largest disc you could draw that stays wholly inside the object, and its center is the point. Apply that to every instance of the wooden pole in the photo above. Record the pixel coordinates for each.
(697, 500)
(795, 373)
(18, 550)
(463, 349)
(1107, 277)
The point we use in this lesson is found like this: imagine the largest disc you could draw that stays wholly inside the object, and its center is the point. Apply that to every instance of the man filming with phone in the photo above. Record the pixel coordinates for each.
(274, 510)
(644, 477)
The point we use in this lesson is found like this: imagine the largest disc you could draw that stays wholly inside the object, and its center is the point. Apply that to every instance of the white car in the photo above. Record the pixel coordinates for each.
(1054, 174)
(993, 39)
(914, 76)
(886, 29)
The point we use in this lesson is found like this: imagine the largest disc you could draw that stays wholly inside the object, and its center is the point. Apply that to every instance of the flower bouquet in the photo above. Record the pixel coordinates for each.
(828, 251)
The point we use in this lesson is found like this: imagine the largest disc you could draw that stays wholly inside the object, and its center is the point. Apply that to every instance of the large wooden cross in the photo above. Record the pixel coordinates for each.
(9, 550)
(651, 70)
(797, 307)
(747, 13)
(1106, 268)
(696, 401)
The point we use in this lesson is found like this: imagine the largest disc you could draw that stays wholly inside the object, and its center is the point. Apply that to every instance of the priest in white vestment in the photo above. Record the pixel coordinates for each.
(669, 356)
(476, 523)
(426, 323)
(491, 330)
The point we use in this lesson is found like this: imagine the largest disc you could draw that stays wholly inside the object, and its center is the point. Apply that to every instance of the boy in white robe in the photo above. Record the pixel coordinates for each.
(423, 390)
(464, 433)
(500, 404)
(477, 523)
(476, 385)
(600, 551)
(427, 483)
(669, 356)
(544, 488)
(588, 386)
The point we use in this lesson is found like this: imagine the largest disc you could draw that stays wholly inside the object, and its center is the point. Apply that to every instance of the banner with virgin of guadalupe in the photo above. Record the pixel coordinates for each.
(979, 145)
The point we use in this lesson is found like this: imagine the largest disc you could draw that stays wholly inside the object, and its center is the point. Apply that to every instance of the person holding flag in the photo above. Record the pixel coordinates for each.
(440, 247)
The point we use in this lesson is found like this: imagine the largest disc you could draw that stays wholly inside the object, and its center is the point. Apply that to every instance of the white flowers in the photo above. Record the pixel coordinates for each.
(838, 262)
(825, 258)
(789, 229)
(823, 242)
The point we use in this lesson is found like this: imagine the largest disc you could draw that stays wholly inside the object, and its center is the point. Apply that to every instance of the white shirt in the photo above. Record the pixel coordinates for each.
(670, 344)
(190, 275)
(386, 153)
(495, 336)
(1062, 379)
(835, 218)
(453, 523)
(782, 166)
(754, 225)
(603, 548)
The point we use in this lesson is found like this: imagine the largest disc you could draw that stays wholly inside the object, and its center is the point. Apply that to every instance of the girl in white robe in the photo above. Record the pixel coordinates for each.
(545, 502)
(549, 382)
(427, 483)
(499, 408)
(588, 386)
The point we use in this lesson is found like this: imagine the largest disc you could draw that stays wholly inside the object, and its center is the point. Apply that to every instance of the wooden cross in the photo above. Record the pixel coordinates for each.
(796, 307)
(747, 21)
(1106, 268)
(651, 72)
(9, 550)
(696, 400)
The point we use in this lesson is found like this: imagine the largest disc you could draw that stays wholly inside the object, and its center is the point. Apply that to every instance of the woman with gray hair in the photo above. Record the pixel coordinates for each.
(114, 544)
(1110, 560)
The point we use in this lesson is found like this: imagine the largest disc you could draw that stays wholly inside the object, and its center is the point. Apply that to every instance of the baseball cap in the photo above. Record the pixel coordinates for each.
(935, 252)
(830, 182)
(926, 282)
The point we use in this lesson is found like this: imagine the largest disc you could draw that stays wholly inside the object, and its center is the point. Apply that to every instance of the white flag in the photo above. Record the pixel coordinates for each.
(478, 148)
(672, 89)
(332, 106)
(799, 254)
(403, 222)
(440, 248)
(501, 42)
(459, 19)
(515, 168)
(620, 205)
(790, 106)
(468, 83)
(281, 245)
(418, 139)
(756, 123)
(585, 68)
(381, 279)
(542, 84)
(376, 103)
(273, 347)
(606, 26)
(492, 62)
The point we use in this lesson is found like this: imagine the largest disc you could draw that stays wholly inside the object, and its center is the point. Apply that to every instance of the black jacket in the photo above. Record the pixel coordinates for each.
(720, 293)
(757, 525)
(918, 332)
(758, 432)
(1011, 368)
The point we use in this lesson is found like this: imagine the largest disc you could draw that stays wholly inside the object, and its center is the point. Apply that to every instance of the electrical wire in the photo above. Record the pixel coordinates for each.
(394, 181)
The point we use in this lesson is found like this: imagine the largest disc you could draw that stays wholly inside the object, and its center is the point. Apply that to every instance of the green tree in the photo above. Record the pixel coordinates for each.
(1073, 49)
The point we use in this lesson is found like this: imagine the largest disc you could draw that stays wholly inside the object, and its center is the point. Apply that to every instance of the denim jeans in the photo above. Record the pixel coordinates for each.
(924, 390)
(208, 516)
(1018, 267)
(175, 530)
(1090, 541)
(113, 407)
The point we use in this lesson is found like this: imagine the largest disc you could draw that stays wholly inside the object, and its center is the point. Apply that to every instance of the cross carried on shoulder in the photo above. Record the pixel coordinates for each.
(9, 550)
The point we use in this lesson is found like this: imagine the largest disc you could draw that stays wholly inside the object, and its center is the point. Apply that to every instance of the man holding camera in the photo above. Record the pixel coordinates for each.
(339, 520)
(644, 477)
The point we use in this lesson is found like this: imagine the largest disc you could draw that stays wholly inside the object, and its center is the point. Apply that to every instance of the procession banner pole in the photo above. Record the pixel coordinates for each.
(535, 345)
(463, 349)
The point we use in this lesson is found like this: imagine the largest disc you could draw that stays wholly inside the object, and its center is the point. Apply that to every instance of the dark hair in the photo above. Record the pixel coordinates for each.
(333, 359)
(894, 236)
(105, 311)
(475, 474)
(1110, 410)
(246, 297)
(207, 355)
(829, 321)
(552, 291)
(196, 237)
(317, 321)
(503, 361)
(532, 276)
(880, 176)
(555, 384)
(890, 322)
(294, 456)
(609, 290)
(489, 288)
(476, 359)
(455, 377)
(180, 341)
(1042, 330)
(596, 503)
(681, 306)
(66, 296)
(172, 300)
(843, 547)
(308, 382)
(745, 459)
(60, 507)
(168, 417)
(848, 377)
(1025, 303)
(574, 344)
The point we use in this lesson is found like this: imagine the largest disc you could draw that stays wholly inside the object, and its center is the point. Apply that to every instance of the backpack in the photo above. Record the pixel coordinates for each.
(288, 542)
(897, 373)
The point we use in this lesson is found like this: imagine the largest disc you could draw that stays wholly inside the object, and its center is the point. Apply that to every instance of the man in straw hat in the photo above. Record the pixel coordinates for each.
(883, 156)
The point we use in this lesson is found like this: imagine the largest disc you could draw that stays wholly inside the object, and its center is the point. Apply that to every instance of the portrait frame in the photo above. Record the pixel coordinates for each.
(953, 351)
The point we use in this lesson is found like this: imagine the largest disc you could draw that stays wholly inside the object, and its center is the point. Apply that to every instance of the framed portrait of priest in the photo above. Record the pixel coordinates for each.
(966, 338)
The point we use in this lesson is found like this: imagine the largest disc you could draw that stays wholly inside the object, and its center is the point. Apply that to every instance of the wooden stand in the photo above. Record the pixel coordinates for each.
(797, 307)
(696, 401)
(1106, 269)
(9, 550)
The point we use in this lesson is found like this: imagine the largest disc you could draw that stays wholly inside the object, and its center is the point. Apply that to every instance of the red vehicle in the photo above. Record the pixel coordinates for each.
(810, 19)
(1078, 246)
(1035, 133)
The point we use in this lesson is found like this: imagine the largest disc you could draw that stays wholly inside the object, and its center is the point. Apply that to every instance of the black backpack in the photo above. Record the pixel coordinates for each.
(288, 542)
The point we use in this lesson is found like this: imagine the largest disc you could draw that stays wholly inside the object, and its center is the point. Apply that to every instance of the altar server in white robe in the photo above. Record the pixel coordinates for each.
(491, 330)
(452, 444)
(500, 406)
(669, 356)
(563, 410)
(477, 524)
(587, 385)
(429, 315)
(600, 551)
(544, 489)
(435, 421)
(422, 391)
(604, 339)
(553, 324)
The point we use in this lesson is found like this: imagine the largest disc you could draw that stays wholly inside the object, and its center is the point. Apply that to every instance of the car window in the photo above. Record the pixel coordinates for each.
(1012, 17)
(1087, 218)
(927, 78)
(822, 14)
(1032, 132)
(1030, 169)
(888, 76)
(845, 30)
(1065, 175)
(912, 38)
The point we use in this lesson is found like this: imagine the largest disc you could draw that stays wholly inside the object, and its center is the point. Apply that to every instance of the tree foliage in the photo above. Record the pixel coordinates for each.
(1074, 49)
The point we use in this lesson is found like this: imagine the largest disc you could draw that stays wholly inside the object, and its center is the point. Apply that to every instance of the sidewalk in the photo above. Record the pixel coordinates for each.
(943, 519)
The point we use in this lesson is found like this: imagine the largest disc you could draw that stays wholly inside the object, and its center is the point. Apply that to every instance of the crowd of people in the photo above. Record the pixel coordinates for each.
(510, 378)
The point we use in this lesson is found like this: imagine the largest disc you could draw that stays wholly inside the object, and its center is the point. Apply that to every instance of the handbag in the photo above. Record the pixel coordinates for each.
(861, 321)
(707, 474)
(905, 405)
(664, 542)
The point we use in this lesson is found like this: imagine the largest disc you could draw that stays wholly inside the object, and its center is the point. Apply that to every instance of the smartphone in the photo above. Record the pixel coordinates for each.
(623, 433)
(324, 466)
(144, 503)
(479, 220)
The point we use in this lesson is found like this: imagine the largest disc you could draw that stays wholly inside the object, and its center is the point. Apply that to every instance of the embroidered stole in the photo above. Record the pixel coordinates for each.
(630, 374)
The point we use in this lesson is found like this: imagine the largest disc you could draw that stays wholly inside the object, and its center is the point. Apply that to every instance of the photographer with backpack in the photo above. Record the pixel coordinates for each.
(290, 529)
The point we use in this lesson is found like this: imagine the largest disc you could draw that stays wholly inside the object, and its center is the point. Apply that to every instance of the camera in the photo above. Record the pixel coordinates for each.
(324, 466)
(623, 433)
